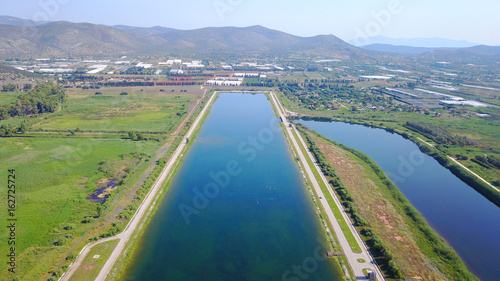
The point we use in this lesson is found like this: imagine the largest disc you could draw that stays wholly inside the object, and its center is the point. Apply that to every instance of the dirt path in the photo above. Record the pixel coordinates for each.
(190, 114)
(429, 144)
(463, 166)
(476, 175)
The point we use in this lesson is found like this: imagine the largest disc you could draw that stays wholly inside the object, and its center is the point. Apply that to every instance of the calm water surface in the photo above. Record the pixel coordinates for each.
(237, 209)
(469, 222)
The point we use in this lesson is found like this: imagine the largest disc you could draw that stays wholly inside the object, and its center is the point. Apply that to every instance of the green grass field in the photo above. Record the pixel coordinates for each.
(8, 97)
(113, 112)
(53, 178)
(94, 261)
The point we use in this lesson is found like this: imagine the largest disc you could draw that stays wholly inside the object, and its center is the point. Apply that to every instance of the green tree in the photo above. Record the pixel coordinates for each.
(99, 210)
(9, 88)
(6, 131)
(22, 128)
(132, 135)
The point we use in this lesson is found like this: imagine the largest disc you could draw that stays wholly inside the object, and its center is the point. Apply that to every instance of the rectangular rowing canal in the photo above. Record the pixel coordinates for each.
(237, 209)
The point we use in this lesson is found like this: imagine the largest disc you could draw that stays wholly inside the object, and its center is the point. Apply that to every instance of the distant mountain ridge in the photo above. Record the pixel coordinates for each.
(8, 20)
(155, 30)
(405, 50)
(22, 39)
(481, 50)
(434, 43)
(67, 39)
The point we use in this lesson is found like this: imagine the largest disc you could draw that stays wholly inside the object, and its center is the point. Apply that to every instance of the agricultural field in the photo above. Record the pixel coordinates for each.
(53, 178)
(489, 96)
(296, 77)
(158, 111)
(8, 97)
(58, 167)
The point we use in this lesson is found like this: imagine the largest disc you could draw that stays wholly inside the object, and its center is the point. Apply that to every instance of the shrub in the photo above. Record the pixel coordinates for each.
(71, 257)
(367, 232)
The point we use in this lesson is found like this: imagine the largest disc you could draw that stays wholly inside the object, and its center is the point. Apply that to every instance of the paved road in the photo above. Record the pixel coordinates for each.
(141, 211)
(352, 257)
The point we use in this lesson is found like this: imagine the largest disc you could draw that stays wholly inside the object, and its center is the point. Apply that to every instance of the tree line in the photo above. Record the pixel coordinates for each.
(440, 134)
(42, 99)
(12, 88)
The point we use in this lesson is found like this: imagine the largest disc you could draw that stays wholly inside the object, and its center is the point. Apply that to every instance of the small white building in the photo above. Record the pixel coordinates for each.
(370, 275)
(144, 65)
(193, 64)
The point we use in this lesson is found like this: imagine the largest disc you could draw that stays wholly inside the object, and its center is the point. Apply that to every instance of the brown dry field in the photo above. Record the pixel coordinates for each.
(382, 216)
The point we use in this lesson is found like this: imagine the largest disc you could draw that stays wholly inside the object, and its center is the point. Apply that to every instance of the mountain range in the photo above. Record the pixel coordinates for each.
(406, 50)
(432, 43)
(480, 50)
(27, 39)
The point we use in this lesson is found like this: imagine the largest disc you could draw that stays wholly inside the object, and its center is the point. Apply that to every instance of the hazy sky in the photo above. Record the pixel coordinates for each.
(475, 21)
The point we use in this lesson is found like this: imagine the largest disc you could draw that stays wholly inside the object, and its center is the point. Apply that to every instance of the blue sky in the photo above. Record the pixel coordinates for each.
(475, 21)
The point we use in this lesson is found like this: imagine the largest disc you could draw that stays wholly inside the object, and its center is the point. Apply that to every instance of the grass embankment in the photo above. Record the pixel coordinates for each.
(343, 224)
(393, 227)
(94, 261)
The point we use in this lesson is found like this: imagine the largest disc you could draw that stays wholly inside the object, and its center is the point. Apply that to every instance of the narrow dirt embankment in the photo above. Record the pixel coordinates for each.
(383, 216)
